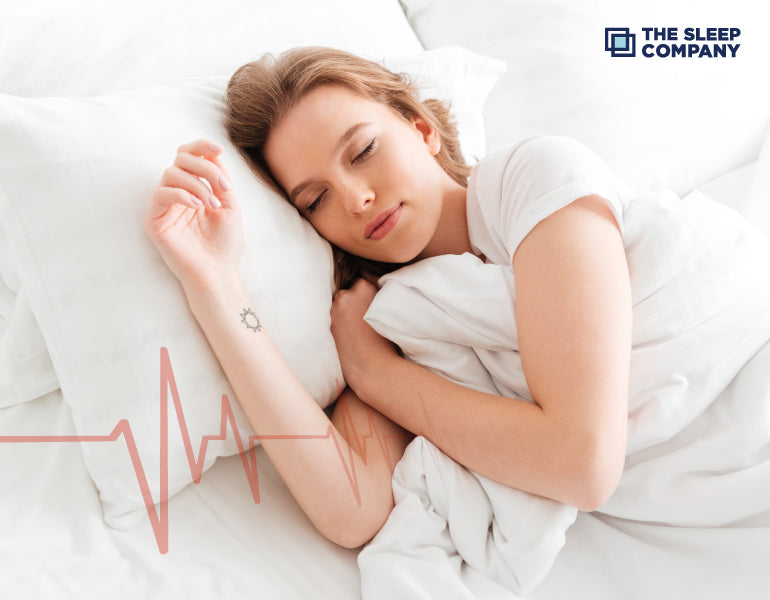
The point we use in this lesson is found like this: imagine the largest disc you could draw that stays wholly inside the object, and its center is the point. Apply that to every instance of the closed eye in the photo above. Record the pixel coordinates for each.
(313, 206)
(316, 203)
(367, 151)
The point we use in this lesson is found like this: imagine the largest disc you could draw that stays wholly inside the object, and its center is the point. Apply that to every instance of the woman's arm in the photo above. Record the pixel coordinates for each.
(347, 502)
(573, 315)
(342, 482)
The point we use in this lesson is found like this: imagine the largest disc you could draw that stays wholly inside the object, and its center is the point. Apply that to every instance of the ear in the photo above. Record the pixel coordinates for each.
(429, 133)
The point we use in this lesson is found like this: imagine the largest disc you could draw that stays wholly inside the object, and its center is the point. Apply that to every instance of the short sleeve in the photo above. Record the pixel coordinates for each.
(515, 189)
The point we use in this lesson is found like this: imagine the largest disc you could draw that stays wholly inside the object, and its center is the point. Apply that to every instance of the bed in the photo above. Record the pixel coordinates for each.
(128, 470)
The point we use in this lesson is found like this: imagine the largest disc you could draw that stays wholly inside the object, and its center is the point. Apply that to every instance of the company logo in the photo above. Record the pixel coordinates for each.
(669, 42)
(619, 41)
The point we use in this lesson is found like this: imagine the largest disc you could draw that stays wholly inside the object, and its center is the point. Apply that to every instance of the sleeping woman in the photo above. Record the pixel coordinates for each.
(379, 174)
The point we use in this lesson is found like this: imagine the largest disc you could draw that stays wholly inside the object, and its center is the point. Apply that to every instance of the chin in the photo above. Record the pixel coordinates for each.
(395, 260)
(408, 255)
(401, 253)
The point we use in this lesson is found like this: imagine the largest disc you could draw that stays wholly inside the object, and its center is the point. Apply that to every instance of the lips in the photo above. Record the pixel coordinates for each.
(383, 223)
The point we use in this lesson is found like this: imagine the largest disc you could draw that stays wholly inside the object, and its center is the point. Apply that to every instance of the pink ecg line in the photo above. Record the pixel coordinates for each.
(159, 518)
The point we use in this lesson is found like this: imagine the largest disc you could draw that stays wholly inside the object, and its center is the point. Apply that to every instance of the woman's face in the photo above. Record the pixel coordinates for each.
(365, 177)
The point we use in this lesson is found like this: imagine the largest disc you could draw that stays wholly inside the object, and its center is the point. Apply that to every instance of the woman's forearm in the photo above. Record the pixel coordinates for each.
(278, 405)
(512, 441)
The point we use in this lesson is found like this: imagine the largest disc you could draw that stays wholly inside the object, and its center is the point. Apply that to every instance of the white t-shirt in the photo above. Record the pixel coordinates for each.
(700, 286)
(512, 190)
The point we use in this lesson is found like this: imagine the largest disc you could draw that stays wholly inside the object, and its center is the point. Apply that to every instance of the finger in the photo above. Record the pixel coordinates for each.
(228, 197)
(209, 156)
(203, 169)
(364, 287)
(201, 147)
(371, 278)
(338, 297)
(176, 177)
(163, 197)
(207, 149)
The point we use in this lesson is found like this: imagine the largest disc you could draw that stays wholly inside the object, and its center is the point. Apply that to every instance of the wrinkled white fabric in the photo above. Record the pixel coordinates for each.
(699, 402)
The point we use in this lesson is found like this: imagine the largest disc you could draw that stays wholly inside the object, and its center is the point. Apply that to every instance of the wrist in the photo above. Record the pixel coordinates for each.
(222, 290)
(371, 385)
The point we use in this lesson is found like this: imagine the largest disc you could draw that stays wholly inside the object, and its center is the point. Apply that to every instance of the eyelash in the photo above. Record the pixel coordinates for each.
(314, 206)
(366, 152)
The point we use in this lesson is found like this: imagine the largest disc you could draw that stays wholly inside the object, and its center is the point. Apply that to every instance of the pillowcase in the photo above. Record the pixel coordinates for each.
(89, 47)
(465, 78)
(76, 176)
(26, 371)
(658, 123)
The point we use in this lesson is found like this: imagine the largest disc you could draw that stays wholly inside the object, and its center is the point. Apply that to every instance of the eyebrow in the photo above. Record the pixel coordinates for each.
(337, 148)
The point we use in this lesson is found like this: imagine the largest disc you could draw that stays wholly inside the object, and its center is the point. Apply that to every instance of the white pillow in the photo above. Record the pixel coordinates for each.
(659, 123)
(462, 76)
(26, 371)
(88, 47)
(76, 175)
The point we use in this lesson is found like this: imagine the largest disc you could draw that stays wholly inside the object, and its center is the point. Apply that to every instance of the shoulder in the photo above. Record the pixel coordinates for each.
(538, 157)
(515, 188)
(535, 167)
(539, 147)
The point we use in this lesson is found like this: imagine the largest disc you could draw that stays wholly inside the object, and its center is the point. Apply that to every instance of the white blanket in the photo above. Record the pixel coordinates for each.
(699, 412)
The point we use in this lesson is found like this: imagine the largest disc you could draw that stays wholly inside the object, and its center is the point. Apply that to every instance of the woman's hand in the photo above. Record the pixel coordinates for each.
(197, 230)
(361, 349)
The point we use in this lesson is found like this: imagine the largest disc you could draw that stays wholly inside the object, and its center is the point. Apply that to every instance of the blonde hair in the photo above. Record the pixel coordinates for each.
(261, 93)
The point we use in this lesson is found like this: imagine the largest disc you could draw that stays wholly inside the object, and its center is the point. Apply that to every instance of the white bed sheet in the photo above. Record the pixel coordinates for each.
(54, 542)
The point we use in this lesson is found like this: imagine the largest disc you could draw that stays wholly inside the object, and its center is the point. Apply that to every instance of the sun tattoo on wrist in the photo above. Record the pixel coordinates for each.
(251, 320)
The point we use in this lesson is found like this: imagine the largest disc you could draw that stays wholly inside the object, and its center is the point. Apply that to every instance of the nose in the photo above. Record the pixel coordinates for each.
(357, 196)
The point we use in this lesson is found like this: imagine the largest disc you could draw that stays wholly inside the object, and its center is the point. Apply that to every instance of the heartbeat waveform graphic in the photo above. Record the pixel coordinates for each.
(159, 516)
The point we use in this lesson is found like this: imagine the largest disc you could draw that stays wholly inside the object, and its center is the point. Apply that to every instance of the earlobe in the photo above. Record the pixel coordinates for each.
(430, 135)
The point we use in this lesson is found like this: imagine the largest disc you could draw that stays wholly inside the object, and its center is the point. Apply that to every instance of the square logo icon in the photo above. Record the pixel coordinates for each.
(619, 41)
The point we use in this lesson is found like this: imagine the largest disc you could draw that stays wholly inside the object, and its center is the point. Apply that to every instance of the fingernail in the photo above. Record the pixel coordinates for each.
(215, 201)
(224, 184)
(215, 147)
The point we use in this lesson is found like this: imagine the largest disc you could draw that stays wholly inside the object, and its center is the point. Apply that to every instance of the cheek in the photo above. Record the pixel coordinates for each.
(406, 166)
(330, 226)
